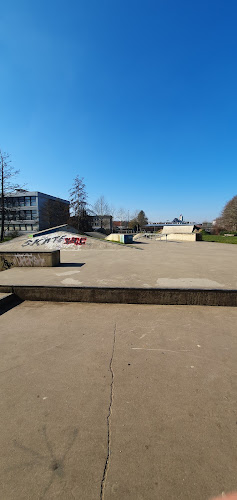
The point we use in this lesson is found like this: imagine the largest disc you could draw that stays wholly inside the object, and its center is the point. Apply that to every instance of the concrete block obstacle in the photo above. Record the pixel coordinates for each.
(179, 233)
(180, 237)
(156, 296)
(9, 259)
(120, 238)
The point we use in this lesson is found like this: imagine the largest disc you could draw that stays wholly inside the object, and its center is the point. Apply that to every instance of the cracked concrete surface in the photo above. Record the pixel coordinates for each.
(171, 382)
(105, 472)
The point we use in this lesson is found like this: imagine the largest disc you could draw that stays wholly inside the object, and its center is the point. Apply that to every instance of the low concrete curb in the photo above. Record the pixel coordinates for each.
(161, 296)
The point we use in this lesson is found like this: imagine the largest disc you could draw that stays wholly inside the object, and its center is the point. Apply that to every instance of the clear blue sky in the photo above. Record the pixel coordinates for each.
(138, 97)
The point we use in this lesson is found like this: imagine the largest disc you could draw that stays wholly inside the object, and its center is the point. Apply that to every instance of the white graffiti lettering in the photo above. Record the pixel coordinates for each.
(27, 260)
(44, 240)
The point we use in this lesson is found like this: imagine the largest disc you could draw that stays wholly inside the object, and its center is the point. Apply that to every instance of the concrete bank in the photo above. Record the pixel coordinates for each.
(127, 402)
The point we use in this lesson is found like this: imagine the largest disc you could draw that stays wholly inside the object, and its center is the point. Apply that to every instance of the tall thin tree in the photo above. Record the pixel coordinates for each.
(78, 202)
(7, 172)
(101, 208)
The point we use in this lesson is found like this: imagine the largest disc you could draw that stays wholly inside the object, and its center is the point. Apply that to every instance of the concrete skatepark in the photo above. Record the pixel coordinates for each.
(111, 401)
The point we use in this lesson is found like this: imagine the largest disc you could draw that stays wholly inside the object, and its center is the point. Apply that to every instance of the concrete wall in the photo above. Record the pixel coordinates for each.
(29, 259)
(120, 238)
(180, 237)
(181, 229)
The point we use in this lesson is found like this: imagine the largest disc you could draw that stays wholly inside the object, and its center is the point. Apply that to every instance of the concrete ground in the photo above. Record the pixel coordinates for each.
(151, 264)
(117, 402)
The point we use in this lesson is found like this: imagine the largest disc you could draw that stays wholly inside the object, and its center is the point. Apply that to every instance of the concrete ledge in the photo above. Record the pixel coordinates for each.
(9, 259)
(159, 296)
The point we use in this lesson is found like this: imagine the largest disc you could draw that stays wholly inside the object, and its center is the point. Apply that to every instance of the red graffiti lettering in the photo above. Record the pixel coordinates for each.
(75, 241)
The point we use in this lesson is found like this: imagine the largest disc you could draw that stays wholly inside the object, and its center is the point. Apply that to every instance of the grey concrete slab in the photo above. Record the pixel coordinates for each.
(117, 401)
(153, 264)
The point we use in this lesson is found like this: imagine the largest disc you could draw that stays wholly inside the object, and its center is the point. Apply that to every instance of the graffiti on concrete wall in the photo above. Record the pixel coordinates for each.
(54, 239)
(21, 260)
(43, 240)
(75, 241)
(28, 260)
(5, 264)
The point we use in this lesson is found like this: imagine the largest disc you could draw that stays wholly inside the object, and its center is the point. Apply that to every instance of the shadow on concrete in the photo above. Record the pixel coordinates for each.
(71, 264)
(16, 301)
(135, 242)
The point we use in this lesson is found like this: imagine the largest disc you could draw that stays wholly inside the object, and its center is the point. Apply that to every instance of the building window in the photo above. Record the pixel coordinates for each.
(21, 201)
(11, 202)
(33, 200)
(27, 201)
(28, 215)
(34, 214)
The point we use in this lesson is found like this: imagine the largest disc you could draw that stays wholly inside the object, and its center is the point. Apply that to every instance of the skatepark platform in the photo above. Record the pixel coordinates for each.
(152, 272)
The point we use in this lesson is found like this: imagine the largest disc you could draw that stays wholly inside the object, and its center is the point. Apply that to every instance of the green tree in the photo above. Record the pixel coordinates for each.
(142, 219)
(138, 220)
(133, 224)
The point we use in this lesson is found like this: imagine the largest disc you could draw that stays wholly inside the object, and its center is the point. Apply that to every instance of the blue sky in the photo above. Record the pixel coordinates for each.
(138, 97)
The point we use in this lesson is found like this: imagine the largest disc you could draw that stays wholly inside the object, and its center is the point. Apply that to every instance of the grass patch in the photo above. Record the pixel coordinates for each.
(7, 238)
(219, 239)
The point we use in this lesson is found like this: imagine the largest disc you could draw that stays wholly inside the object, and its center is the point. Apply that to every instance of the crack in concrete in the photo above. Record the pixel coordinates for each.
(103, 481)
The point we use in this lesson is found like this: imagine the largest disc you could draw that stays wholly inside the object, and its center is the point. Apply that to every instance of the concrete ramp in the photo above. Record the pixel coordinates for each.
(44, 242)
(58, 240)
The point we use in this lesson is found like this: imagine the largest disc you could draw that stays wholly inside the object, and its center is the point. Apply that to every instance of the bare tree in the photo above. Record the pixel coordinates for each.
(7, 172)
(112, 213)
(78, 202)
(101, 208)
(121, 214)
(228, 217)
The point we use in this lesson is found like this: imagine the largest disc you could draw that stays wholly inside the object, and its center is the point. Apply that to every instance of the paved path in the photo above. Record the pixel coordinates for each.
(154, 264)
(117, 402)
